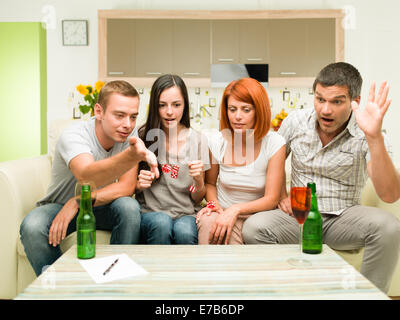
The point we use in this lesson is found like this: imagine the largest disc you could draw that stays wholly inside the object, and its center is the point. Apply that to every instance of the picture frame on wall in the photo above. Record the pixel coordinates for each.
(75, 32)
(76, 113)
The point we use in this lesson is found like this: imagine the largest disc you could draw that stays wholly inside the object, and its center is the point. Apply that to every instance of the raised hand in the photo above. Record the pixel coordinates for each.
(370, 118)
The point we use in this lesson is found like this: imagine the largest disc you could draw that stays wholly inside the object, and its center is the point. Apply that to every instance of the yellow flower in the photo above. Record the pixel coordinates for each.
(98, 85)
(275, 122)
(82, 89)
(90, 96)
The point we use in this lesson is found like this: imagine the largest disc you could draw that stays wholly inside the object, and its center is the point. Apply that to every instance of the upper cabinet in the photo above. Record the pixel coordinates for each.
(235, 41)
(287, 47)
(144, 44)
(225, 41)
(191, 48)
(253, 40)
(153, 47)
(320, 44)
(121, 48)
(300, 47)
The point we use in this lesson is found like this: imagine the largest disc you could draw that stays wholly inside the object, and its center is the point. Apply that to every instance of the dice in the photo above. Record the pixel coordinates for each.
(174, 171)
(166, 168)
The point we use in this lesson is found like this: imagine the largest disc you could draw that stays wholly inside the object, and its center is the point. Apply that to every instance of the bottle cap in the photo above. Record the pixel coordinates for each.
(312, 186)
(85, 191)
(85, 187)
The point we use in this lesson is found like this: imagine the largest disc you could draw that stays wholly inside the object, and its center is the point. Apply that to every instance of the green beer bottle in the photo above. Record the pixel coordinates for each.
(312, 228)
(86, 226)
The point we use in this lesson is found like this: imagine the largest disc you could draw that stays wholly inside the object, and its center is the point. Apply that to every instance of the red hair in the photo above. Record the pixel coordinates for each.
(250, 91)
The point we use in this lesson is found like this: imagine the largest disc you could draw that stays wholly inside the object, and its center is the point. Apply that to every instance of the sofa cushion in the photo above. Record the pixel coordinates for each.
(56, 127)
(102, 237)
(353, 257)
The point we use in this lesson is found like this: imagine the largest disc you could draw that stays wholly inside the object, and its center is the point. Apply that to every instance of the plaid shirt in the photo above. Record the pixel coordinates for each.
(339, 169)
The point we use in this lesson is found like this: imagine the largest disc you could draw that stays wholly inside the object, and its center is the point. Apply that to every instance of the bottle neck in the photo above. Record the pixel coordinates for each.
(314, 203)
(86, 202)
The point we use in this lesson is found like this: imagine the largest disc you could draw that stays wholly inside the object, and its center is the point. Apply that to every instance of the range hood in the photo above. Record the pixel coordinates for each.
(223, 74)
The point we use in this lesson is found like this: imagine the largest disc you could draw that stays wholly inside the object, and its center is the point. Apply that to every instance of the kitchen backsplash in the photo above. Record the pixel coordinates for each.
(205, 103)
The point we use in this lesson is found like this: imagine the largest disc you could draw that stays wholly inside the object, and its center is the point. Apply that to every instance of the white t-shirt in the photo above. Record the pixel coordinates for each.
(76, 139)
(244, 183)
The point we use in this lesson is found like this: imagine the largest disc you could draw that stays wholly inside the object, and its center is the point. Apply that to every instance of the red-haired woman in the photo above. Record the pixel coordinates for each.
(249, 161)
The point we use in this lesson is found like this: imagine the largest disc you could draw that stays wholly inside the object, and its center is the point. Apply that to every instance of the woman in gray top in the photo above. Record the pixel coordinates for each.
(171, 202)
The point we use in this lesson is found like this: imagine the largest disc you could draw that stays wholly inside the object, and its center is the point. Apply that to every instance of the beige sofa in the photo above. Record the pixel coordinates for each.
(22, 183)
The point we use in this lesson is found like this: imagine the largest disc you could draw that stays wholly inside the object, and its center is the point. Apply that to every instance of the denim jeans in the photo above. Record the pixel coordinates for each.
(121, 217)
(160, 228)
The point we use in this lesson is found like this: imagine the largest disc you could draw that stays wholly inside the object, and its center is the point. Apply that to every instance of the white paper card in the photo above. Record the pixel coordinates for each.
(124, 268)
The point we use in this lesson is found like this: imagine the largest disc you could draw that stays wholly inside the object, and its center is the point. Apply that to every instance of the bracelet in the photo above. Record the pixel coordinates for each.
(211, 204)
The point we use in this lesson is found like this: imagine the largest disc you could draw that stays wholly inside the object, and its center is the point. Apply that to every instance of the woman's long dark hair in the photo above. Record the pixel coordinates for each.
(153, 119)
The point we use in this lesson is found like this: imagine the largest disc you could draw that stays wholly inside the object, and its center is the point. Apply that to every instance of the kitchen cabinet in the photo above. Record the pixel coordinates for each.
(235, 41)
(150, 48)
(191, 48)
(121, 48)
(253, 41)
(300, 47)
(225, 41)
(140, 45)
(153, 47)
(320, 39)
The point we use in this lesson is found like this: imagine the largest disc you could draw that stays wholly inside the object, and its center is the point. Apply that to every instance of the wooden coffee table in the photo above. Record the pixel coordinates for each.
(208, 272)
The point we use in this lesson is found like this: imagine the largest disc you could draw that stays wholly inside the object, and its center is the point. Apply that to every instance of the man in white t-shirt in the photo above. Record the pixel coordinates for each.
(338, 145)
(104, 150)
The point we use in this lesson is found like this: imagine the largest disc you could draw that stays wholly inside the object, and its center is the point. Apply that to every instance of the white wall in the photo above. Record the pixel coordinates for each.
(372, 46)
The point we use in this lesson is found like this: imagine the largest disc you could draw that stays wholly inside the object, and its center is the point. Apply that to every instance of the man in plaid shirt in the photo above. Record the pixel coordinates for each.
(338, 145)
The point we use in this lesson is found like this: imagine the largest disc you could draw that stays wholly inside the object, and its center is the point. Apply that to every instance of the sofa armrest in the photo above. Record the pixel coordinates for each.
(368, 195)
(22, 183)
(370, 198)
(393, 208)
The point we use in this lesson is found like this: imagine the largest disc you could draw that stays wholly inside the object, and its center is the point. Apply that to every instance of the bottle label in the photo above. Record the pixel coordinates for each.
(312, 238)
(312, 232)
(86, 243)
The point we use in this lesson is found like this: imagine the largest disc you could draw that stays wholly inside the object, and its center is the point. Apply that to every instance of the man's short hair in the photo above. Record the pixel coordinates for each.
(117, 86)
(340, 74)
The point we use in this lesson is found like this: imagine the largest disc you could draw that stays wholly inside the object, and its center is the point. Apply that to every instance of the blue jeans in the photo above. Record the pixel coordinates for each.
(160, 228)
(121, 217)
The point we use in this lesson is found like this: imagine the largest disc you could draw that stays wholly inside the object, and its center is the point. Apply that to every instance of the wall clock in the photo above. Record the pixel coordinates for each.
(75, 32)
